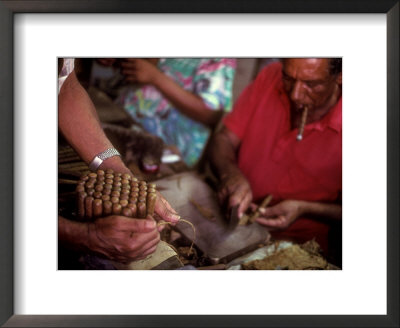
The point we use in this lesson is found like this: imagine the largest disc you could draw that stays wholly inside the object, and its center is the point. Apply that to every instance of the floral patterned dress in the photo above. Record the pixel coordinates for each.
(211, 79)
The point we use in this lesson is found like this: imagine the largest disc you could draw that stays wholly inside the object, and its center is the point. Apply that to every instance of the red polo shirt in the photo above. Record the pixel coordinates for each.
(271, 158)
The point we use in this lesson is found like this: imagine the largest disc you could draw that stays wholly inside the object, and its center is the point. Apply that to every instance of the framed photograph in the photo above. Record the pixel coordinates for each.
(34, 33)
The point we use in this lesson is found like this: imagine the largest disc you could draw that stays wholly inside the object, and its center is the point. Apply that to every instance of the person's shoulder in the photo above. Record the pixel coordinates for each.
(271, 71)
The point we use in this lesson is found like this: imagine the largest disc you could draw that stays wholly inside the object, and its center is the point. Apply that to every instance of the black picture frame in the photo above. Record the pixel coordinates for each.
(7, 11)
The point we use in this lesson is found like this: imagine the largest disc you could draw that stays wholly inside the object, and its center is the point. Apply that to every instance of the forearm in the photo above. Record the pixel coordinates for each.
(321, 210)
(73, 234)
(188, 103)
(80, 125)
(223, 155)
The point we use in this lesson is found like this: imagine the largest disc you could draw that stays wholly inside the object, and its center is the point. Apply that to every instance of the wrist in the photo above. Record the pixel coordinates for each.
(157, 78)
(303, 208)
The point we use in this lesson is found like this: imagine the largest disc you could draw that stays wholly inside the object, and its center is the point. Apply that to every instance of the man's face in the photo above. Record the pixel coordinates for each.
(308, 82)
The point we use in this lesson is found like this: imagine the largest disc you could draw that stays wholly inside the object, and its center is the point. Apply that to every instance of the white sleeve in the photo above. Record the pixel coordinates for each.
(68, 67)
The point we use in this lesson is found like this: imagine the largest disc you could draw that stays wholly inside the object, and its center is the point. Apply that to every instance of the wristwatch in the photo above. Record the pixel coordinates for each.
(101, 157)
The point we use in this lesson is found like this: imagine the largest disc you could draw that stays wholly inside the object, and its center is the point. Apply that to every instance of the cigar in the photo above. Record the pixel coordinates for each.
(117, 184)
(151, 185)
(115, 200)
(81, 204)
(126, 176)
(125, 182)
(256, 214)
(133, 208)
(107, 207)
(126, 211)
(124, 197)
(123, 202)
(134, 194)
(302, 123)
(115, 193)
(97, 195)
(151, 203)
(132, 200)
(89, 207)
(105, 197)
(98, 187)
(116, 209)
(90, 191)
(80, 188)
(141, 209)
(97, 208)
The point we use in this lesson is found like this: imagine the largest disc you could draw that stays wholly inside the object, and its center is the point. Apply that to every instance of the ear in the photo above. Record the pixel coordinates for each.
(339, 78)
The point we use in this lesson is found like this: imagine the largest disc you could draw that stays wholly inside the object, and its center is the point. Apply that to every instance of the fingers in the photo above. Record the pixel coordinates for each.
(245, 203)
(123, 223)
(277, 222)
(165, 211)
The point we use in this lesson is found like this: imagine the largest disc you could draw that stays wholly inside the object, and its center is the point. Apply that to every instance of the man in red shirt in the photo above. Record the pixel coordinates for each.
(258, 151)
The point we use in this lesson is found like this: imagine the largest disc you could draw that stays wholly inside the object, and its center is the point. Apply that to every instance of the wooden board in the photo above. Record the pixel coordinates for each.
(213, 237)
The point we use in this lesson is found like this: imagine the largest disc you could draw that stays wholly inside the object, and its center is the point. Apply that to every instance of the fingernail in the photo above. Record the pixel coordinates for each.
(151, 224)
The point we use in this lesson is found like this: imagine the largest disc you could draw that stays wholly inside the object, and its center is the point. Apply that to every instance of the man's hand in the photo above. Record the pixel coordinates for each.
(235, 190)
(123, 239)
(164, 211)
(138, 70)
(282, 215)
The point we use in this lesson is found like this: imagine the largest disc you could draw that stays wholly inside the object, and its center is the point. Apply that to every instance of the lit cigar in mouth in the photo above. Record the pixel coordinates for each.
(302, 123)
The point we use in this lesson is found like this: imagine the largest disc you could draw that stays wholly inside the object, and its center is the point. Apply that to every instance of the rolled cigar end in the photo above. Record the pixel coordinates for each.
(115, 200)
(126, 176)
(100, 172)
(151, 203)
(80, 188)
(124, 197)
(141, 209)
(89, 207)
(105, 197)
(151, 185)
(97, 208)
(126, 211)
(99, 187)
(116, 209)
(90, 191)
(115, 193)
(107, 207)
(123, 202)
(97, 195)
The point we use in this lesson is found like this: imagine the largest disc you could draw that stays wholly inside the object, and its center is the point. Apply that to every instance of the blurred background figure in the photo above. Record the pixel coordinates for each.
(179, 100)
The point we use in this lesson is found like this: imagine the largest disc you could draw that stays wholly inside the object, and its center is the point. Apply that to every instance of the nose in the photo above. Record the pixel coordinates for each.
(297, 93)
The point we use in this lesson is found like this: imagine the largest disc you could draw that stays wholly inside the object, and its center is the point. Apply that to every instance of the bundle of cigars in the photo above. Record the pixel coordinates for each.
(104, 193)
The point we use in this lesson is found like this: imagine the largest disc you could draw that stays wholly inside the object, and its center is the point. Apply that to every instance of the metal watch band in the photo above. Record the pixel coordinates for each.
(100, 158)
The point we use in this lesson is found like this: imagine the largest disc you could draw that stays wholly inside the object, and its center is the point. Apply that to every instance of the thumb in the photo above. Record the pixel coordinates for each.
(165, 211)
(144, 225)
(268, 211)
